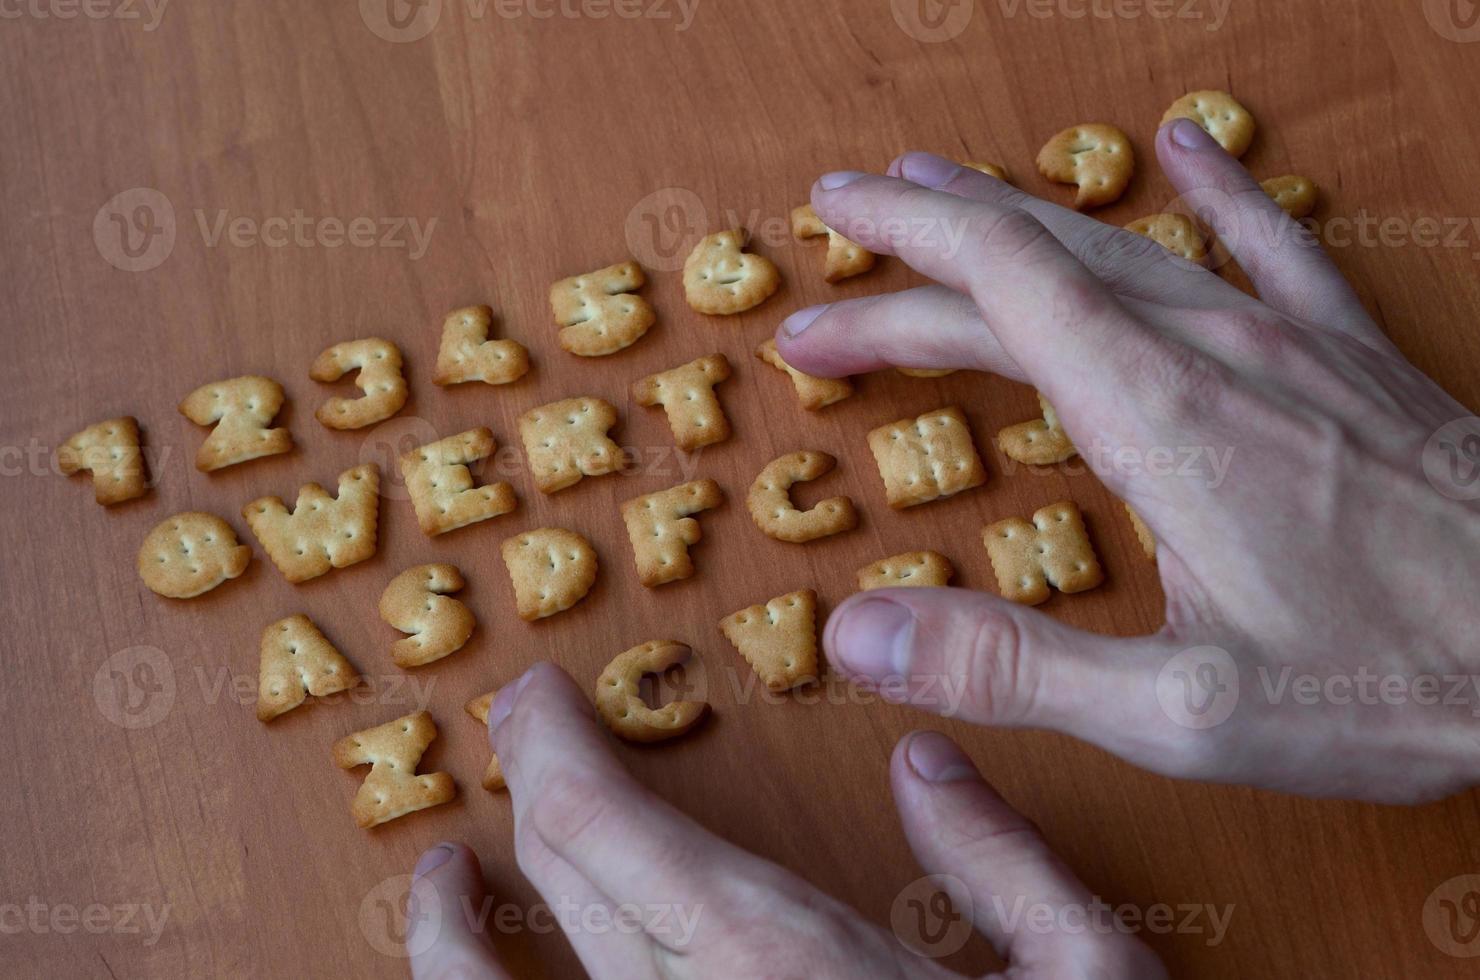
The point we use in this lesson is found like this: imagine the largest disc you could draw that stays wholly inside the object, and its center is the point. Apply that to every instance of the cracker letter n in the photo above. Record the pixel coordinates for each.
(662, 527)
(379, 365)
(416, 603)
(778, 639)
(687, 396)
(926, 458)
(441, 487)
(241, 410)
(720, 279)
(468, 355)
(1053, 550)
(110, 452)
(619, 695)
(567, 440)
(298, 661)
(392, 751)
(321, 532)
(598, 313)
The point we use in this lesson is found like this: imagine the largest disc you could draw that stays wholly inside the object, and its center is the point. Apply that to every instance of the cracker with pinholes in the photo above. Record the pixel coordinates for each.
(478, 708)
(1095, 157)
(321, 532)
(467, 354)
(1053, 550)
(815, 393)
(552, 569)
(912, 570)
(109, 451)
(721, 279)
(441, 486)
(1220, 114)
(567, 440)
(416, 603)
(1041, 442)
(687, 396)
(378, 363)
(598, 313)
(241, 410)
(190, 554)
(661, 527)
(778, 639)
(298, 662)
(619, 695)
(393, 788)
(845, 258)
(926, 458)
(771, 508)
(1296, 195)
(1176, 233)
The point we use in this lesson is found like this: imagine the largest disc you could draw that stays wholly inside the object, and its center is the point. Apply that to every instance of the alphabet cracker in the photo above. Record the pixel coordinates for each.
(990, 169)
(321, 532)
(912, 570)
(493, 776)
(1297, 195)
(845, 258)
(720, 279)
(416, 603)
(778, 639)
(661, 527)
(1144, 534)
(771, 508)
(687, 396)
(379, 365)
(241, 410)
(110, 452)
(815, 393)
(926, 372)
(1176, 233)
(1053, 550)
(1220, 114)
(298, 661)
(467, 354)
(567, 440)
(190, 554)
(441, 487)
(619, 695)
(552, 569)
(598, 313)
(1095, 157)
(926, 458)
(393, 788)
(1041, 442)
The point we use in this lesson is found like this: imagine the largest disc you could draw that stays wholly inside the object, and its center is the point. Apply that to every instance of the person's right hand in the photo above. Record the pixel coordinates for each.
(1323, 629)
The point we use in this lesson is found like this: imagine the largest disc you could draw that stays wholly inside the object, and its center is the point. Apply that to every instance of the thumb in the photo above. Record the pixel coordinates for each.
(444, 937)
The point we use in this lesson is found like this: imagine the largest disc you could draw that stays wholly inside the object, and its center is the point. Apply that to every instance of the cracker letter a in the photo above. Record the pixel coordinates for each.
(298, 661)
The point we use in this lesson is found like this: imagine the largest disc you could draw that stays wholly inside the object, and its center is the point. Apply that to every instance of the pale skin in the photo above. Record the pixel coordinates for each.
(1321, 551)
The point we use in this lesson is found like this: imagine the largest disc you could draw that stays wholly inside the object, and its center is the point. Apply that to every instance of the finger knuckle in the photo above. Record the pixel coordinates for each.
(1008, 235)
(996, 680)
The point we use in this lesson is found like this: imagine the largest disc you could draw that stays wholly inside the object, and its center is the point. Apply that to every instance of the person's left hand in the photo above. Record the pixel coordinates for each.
(642, 890)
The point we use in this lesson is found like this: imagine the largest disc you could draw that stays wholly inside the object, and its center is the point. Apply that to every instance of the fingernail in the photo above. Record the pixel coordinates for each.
(503, 704)
(802, 319)
(873, 640)
(1188, 134)
(839, 178)
(928, 170)
(431, 860)
(936, 759)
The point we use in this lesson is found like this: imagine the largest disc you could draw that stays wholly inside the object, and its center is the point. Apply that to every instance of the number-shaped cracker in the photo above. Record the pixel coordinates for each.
(190, 554)
(598, 313)
(778, 639)
(1176, 233)
(493, 776)
(1096, 157)
(378, 363)
(1297, 195)
(1220, 114)
(926, 458)
(1041, 442)
(567, 440)
(240, 409)
(815, 393)
(845, 258)
(720, 279)
(771, 508)
(687, 396)
(467, 354)
(416, 603)
(912, 570)
(552, 569)
(441, 487)
(393, 788)
(661, 527)
(619, 695)
(321, 532)
(1053, 550)
(110, 452)
(298, 661)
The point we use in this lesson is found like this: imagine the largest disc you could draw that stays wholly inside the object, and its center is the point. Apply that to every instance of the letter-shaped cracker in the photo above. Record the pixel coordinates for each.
(1220, 114)
(493, 776)
(926, 458)
(1144, 534)
(567, 440)
(1053, 550)
(926, 372)
(1042, 442)
(1297, 195)
(778, 640)
(552, 570)
(814, 393)
(468, 355)
(598, 313)
(321, 532)
(379, 365)
(912, 570)
(1176, 233)
(662, 528)
(1095, 157)
(416, 603)
(441, 487)
(110, 452)
(687, 396)
(845, 258)
(393, 789)
(190, 554)
(241, 410)
(721, 279)
(298, 661)
(771, 508)
(990, 169)
(619, 695)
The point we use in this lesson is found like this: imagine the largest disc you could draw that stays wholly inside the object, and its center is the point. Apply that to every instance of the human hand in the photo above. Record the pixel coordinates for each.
(1320, 567)
(597, 844)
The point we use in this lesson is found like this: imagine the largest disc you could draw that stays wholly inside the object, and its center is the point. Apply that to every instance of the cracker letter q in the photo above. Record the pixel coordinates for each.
(190, 554)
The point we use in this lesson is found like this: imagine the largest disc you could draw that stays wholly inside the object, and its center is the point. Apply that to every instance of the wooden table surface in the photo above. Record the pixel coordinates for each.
(493, 151)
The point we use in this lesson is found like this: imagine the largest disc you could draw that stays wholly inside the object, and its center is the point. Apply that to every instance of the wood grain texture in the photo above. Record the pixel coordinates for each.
(544, 148)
